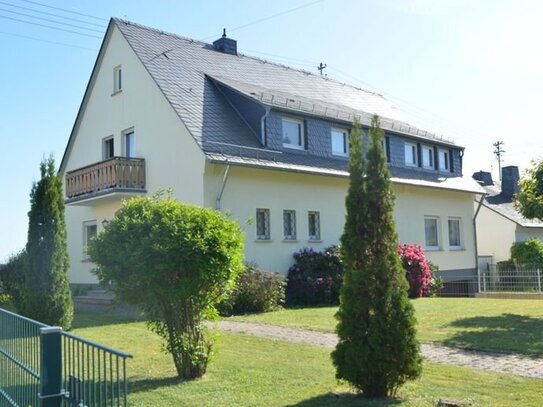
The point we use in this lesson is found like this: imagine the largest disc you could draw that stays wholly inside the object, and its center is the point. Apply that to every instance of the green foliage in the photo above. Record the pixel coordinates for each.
(47, 296)
(436, 282)
(530, 196)
(528, 253)
(175, 262)
(377, 350)
(12, 277)
(256, 291)
(315, 277)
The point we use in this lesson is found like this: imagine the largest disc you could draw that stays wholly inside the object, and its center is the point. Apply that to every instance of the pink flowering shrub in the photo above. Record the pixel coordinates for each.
(418, 270)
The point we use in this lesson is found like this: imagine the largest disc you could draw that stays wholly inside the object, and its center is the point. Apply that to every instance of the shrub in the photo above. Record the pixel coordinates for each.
(12, 277)
(315, 278)
(436, 282)
(256, 291)
(175, 262)
(529, 253)
(417, 270)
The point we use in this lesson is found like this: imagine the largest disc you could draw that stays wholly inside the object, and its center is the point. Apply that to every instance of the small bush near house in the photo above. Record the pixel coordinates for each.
(256, 291)
(315, 278)
(417, 269)
(436, 282)
(529, 252)
(12, 277)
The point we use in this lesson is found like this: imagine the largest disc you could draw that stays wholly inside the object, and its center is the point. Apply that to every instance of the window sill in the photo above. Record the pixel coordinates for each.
(263, 240)
(117, 92)
(314, 240)
(433, 249)
(290, 240)
(456, 248)
(294, 147)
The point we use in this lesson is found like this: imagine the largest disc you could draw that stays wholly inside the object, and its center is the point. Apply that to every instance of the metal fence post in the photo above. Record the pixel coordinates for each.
(51, 367)
(538, 280)
(484, 282)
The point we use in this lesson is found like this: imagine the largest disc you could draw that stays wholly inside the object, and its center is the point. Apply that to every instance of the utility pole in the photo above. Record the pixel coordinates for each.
(498, 152)
(321, 67)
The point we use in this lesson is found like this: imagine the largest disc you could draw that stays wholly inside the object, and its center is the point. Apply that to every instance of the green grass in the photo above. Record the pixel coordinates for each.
(250, 371)
(493, 324)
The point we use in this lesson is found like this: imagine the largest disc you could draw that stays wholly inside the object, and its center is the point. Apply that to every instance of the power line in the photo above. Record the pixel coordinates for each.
(48, 26)
(47, 41)
(282, 13)
(50, 21)
(52, 14)
(65, 10)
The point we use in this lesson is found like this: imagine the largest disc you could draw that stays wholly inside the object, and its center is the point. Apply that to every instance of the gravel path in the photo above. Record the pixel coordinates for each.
(497, 362)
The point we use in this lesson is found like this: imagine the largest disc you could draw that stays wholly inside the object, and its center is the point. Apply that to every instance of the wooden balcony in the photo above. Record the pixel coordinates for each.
(115, 175)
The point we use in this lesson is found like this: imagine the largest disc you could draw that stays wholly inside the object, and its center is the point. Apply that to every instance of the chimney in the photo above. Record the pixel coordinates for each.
(226, 45)
(510, 179)
(485, 178)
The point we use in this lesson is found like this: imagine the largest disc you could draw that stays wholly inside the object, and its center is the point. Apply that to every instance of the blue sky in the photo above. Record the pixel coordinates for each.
(468, 70)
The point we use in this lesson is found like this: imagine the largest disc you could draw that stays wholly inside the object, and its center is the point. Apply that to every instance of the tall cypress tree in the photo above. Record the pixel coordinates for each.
(377, 350)
(47, 296)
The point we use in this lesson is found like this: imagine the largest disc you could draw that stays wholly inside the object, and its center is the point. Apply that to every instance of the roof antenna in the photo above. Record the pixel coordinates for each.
(321, 67)
(224, 32)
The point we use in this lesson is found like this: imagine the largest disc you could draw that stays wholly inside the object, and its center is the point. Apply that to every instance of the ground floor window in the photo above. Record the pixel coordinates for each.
(90, 230)
(263, 224)
(289, 224)
(431, 232)
(455, 241)
(314, 226)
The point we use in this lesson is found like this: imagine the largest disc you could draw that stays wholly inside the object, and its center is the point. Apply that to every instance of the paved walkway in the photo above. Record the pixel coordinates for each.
(497, 362)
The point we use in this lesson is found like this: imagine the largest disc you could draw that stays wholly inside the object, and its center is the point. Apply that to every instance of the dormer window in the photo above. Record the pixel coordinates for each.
(117, 79)
(411, 154)
(444, 160)
(427, 157)
(340, 142)
(293, 133)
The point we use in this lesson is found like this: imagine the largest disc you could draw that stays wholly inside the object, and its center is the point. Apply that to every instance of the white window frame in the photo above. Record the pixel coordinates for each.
(105, 142)
(292, 224)
(86, 237)
(444, 164)
(117, 79)
(345, 134)
(414, 150)
(459, 246)
(266, 235)
(428, 157)
(126, 146)
(300, 123)
(316, 236)
(438, 233)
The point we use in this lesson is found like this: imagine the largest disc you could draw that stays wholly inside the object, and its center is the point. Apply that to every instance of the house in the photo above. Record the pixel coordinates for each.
(499, 223)
(258, 139)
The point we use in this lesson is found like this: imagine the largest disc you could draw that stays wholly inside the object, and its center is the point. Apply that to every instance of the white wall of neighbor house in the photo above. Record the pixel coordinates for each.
(524, 233)
(172, 157)
(248, 189)
(495, 234)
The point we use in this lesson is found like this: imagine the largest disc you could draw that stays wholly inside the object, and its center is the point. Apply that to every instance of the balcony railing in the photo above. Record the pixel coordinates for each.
(111, 175)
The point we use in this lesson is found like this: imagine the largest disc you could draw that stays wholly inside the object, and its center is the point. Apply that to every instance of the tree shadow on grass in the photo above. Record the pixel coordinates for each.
(143, 385)
(345, 399)
(506, 333)
(85, 319)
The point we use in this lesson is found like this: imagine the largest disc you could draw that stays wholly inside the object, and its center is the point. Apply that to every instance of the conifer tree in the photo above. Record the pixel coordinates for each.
(377, 350)
(47, 296)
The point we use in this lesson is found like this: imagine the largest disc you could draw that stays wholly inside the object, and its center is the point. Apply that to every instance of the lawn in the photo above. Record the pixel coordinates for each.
(492, 324)
(250, 371)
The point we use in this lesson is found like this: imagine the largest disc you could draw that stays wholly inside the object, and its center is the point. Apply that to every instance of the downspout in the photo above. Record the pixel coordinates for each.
(480, 203)
(223, 185)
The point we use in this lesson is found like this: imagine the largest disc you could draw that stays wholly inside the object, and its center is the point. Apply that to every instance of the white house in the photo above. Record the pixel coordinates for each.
(499, 223)
(261, 140)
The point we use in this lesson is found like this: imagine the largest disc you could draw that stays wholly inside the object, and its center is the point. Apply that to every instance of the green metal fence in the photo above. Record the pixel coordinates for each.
(45, 366)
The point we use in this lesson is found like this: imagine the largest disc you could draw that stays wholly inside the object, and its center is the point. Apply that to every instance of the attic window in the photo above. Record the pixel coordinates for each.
(117, 79)
(293, 133)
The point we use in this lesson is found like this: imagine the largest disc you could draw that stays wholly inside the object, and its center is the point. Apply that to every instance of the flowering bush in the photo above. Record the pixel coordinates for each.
(422, 282)
(315, 277)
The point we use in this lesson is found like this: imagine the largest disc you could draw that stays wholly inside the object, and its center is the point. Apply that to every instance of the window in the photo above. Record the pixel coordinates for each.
(454, 233)
(293, 133)
(117, 79)
(263, 224)
(90, 229)
(107, 148)
(340, 142)
(314, 225)
(431, 232)
(411, 154)
(289, 224)
(427, 157)
(443, 160)
(129, 138)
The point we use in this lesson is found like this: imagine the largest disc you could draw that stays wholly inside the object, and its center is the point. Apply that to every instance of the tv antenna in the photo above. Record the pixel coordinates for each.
(321, 67)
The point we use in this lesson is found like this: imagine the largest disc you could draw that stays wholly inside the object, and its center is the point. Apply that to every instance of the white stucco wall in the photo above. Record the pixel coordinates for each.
(495, 234)
(247, 189)
(172, 157)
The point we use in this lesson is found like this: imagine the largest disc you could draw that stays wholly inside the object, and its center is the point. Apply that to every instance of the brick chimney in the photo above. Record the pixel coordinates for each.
(226, 45)
(510, 179)
(484, 178)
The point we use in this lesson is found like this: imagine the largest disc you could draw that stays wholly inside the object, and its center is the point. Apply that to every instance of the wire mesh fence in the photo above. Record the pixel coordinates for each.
(511, 279)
